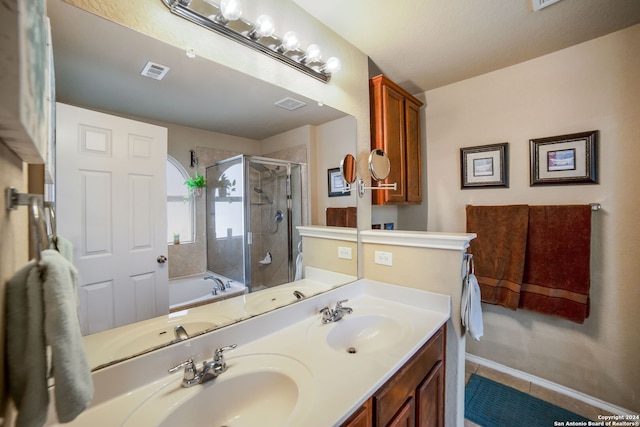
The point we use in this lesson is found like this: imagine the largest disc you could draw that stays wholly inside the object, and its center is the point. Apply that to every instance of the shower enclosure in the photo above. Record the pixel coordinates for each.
(253, 207)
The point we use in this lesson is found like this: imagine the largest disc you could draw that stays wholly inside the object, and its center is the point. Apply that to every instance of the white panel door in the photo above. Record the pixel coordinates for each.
(111, 204)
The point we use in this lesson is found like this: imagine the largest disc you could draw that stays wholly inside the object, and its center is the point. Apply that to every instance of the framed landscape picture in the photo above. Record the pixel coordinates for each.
(484, 166)
(564, 159)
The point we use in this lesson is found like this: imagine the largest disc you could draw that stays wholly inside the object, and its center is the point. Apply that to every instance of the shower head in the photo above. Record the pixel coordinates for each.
(259, 191)
(261, 168)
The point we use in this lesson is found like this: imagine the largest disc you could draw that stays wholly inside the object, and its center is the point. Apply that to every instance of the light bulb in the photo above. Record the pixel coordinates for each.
(231, 9)
(312, 54)
(289, 42)
(332, 65)
(264, 27)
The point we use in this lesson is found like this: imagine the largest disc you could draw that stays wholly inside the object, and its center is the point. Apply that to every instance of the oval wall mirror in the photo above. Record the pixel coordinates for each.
(379, 164)
(348, 168)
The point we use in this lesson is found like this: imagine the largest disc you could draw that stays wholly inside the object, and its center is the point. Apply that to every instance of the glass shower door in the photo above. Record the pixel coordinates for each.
(225, 219)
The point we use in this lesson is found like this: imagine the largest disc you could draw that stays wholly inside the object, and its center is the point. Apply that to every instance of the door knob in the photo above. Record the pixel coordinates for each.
(161, 259)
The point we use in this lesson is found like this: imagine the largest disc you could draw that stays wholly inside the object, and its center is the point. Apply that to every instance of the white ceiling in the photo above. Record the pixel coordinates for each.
(420, 44)
(425, 44)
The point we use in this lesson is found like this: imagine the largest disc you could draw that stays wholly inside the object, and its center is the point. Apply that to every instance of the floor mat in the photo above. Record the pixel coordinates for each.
(491, 404)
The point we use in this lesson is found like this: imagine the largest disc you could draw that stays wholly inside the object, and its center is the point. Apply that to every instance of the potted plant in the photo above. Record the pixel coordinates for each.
(224, 185)
(196, 184)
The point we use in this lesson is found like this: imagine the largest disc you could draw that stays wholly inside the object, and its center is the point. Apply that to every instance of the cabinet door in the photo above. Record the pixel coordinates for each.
(393, 131)
(413, 153)
(430, 398)
(361, 418)
(405, 416)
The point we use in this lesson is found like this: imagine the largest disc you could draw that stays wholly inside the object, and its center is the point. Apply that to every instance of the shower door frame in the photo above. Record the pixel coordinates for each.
(248, 273)
(247, 238)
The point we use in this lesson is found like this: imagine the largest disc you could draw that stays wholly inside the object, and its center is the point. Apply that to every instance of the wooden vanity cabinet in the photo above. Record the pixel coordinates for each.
(414, 396)
(395, 128)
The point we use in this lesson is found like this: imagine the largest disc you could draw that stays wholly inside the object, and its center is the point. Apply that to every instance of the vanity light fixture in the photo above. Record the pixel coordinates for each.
(225, 19)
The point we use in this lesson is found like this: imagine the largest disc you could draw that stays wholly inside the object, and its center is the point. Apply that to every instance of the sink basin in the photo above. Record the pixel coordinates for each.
(140, 340)
(265, 390)
(368, 330)
(267, 300)
(367, 333)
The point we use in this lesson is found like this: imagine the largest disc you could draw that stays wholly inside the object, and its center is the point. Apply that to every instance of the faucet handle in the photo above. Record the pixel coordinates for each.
(339, 303)
(189, 369)
(218, 356)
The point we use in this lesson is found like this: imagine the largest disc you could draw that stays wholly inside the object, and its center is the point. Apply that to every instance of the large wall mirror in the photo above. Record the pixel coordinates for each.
(215, 111)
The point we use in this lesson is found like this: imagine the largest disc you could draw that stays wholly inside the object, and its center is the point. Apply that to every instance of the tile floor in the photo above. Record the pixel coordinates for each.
(535, 390)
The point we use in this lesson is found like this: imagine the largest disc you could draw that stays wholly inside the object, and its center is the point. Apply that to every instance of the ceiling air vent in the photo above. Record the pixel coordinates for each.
(154, 71)
(539, 4)
(290, 104)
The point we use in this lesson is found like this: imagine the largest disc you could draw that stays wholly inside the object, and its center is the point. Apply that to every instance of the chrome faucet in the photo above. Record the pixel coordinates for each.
(329, 315)
(217, 284)
(210, 370)
(180, 333)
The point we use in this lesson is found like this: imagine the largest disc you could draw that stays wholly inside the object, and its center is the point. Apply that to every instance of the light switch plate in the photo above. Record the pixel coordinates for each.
(383, 258)
(344, 253)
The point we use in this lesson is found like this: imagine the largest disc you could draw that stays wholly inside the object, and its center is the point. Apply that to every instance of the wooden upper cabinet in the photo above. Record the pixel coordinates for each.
(395, 128)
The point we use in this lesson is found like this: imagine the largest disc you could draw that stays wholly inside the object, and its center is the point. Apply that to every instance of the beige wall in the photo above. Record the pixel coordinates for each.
(14, 237)
(590, 86)
(334, 140)
(323, 254)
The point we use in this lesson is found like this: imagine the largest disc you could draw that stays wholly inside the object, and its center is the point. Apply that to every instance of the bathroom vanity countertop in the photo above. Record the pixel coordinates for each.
(339, 381)
(117, 344)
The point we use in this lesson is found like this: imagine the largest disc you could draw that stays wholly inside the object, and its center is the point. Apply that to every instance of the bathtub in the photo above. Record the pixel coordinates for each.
(192, 291)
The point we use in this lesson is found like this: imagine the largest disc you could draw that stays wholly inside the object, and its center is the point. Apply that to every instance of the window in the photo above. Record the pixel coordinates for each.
(229, 217)
(180, 204)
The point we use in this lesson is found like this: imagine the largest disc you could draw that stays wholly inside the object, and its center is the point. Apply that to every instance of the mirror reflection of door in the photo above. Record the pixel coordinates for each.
(111, 205)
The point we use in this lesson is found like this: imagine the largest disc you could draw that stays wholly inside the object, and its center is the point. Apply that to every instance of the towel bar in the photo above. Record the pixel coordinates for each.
(594, 206)
(13, 199)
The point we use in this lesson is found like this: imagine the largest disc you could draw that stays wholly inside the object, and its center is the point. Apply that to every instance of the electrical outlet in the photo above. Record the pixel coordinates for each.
(383, 258)
(344, 253)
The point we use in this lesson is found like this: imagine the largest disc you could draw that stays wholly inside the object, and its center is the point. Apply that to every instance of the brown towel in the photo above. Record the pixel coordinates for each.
(499, 251)
(342, 217)
(557, 275)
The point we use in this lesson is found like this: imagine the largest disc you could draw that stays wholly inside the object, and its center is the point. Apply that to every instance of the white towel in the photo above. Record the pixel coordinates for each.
(41, 311)
(299, 267)
(471, 307)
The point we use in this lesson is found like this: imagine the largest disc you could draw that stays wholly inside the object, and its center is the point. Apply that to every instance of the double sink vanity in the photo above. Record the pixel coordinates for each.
(362, 354)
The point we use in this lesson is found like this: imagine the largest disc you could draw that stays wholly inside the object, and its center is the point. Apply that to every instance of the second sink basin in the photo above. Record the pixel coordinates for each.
(265, 390)
(368, 330)
(366, 333)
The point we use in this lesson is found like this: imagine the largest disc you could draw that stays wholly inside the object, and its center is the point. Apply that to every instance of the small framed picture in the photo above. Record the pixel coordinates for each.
(336, 183)
(484, 166)
(388, 226)
(564, 159)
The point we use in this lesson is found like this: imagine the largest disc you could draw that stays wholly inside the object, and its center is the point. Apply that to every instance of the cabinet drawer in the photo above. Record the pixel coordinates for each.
(395, 392)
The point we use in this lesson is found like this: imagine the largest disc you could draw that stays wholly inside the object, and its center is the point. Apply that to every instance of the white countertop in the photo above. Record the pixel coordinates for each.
(339, 382)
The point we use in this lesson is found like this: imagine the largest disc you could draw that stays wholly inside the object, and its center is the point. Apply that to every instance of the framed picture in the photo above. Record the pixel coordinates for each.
(484, 166)
(336, 183)
(564, 159)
